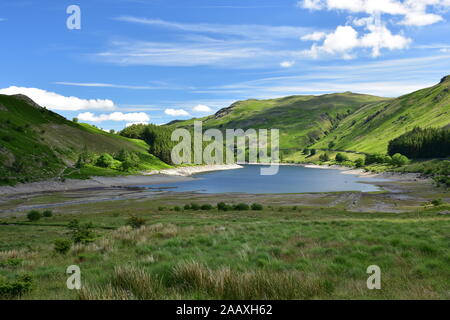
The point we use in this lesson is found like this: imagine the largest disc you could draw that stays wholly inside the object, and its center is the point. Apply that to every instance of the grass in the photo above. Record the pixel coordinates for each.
(297, 253)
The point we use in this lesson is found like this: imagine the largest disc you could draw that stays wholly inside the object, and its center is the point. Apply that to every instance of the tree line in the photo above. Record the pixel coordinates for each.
(422, 143)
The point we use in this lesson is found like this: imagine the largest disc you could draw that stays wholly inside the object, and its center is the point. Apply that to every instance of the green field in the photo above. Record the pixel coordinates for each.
(281, 252)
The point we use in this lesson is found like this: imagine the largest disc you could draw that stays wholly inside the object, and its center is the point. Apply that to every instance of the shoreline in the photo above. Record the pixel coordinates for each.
(177, 175)
(147, 178)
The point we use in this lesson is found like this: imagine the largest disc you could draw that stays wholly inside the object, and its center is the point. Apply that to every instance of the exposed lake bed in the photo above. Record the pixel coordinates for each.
(360, 193)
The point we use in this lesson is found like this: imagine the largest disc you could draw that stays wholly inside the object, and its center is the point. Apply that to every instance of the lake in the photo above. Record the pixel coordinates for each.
(290, 179)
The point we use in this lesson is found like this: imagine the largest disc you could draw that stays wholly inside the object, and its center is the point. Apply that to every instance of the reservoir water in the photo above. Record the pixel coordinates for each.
(290, 179)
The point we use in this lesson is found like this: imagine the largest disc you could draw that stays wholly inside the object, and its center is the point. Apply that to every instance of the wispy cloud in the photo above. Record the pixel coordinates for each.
(202, 44)
(118, 86)
(248, 31)
(405, 76)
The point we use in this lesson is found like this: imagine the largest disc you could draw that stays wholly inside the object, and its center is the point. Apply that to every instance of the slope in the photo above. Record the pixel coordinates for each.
(36, 143)
(370, 128)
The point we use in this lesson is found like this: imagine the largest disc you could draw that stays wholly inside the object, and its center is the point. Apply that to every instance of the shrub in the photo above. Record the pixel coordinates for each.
(206, 207)
(47, 213)
(221, 206)
(81, 233)
(187, 207)
(105, 161)
(34, 215)
(161, 208)
(62, 246)
(177, 208)
(257, 207)
(241, 207)
(17, 288)
(324, 157)
(437, 202)
(359, 163)
(377, 158)
(195, 206)
(399, 160)
(136, 222)
(340, 157)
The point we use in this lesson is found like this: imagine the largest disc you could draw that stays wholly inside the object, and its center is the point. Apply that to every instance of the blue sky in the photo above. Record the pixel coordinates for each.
(159, 60)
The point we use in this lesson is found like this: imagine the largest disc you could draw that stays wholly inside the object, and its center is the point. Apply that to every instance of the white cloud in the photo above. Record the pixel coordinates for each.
(345, 39)
(176, 112)
(315, 36)
(412, 12)
(202, 108)
(56, 101)
(287, 64)
(311, 4)
(137, 117)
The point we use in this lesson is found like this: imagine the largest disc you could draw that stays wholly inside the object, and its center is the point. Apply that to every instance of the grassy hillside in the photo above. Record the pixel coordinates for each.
(371, 127)
(36, 143)
(302, 120)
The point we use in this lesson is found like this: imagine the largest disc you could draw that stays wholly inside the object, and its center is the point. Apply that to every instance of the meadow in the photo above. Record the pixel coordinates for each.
(279, 252)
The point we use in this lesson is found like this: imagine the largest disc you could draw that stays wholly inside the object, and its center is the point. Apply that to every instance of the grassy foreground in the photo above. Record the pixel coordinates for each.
(277, 253)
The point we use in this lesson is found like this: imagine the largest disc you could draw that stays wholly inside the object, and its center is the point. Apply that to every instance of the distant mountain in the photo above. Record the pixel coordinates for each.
(36, 143)
(302, 120)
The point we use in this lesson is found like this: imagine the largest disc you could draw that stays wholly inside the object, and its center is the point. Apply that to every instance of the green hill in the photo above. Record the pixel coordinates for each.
(36, 143)
(302, 120)
(342, 121)
(371, 127)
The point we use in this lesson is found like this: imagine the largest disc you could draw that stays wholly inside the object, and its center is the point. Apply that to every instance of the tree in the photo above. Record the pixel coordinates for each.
(75, 120)
(340, 157)
(422, 143)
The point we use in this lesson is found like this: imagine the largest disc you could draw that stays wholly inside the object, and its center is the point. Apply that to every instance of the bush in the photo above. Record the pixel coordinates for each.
(81, 233)
(377, 158)
(257, 207)
(105, 161)
(177, 208)
(62, 246)
(34, 215)
(161, 208)
(324, 157)
(340, 157)
(399, 160)
(17, 288)
(437, 202)
(187, 207)
(241, 207)
(359, 163)
(195, 206)
(47, 213)
(136, 222)
(206, 207)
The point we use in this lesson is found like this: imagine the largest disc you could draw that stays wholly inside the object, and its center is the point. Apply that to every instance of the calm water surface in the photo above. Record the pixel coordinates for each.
(290, 179)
